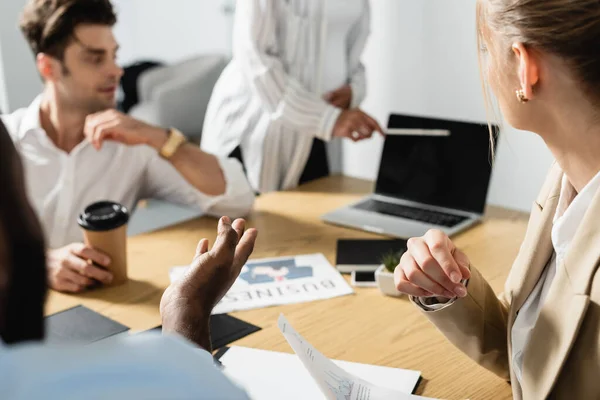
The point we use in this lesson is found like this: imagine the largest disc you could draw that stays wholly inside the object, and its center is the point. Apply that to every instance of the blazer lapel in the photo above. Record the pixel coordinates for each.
(552, 337)
(536, 249)
(533, 256)
(564, 309)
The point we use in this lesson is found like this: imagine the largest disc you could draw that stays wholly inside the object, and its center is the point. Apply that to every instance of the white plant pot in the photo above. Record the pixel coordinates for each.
(385, 282)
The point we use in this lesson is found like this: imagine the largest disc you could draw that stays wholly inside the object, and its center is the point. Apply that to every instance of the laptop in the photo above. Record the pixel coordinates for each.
(434, 174)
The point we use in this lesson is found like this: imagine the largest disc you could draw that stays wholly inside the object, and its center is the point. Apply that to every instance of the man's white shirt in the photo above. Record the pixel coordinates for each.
(61, 185)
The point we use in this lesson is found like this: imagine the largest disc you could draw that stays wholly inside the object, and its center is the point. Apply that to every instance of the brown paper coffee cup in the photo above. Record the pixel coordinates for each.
(104, 227)
(114, 244)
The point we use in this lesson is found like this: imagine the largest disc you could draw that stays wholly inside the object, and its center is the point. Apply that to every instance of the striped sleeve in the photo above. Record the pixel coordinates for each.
(258, 49)
(356, 45)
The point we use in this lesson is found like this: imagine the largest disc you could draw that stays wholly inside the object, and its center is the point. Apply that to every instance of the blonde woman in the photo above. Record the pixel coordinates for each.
(542, 61)
(294, 83)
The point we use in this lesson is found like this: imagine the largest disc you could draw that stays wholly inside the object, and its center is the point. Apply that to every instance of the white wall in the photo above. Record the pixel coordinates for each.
(21, 82)
(394, 74)
(422, 58)
(147, 29)
(3, 96)
(171, 30)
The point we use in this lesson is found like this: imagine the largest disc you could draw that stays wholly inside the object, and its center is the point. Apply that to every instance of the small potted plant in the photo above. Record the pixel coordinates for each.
(384, 276)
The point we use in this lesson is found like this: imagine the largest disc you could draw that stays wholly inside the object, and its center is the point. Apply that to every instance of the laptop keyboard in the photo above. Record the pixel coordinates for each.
(417, 214)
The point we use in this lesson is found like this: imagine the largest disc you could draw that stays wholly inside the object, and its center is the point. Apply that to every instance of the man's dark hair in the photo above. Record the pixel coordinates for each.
(49, 25)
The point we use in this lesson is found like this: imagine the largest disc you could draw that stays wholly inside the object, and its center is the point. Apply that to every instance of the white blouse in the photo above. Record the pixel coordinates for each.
(269, 99)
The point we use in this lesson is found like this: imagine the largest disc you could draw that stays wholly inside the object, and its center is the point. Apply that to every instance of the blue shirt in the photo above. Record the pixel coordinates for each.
(141, 367)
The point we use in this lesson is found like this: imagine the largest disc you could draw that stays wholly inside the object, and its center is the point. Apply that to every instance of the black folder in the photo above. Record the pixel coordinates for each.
(80, 325)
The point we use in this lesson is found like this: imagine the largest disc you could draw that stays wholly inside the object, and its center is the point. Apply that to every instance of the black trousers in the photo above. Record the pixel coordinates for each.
(316, 167)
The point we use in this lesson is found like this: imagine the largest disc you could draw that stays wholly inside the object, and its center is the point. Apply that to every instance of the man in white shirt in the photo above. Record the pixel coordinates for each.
(76, 149)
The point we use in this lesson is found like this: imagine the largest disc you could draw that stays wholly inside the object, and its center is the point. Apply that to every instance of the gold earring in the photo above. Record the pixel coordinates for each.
(521, 96)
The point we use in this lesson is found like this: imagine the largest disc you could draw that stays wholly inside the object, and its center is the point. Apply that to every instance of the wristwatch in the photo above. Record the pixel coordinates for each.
(175, 141)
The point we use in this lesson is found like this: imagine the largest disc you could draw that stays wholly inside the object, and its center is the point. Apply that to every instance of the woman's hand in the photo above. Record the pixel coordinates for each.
(432, 267)
(341, 97)
(356, 125)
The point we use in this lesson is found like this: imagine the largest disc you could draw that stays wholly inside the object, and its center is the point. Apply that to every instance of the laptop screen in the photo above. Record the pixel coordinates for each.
(437, 162)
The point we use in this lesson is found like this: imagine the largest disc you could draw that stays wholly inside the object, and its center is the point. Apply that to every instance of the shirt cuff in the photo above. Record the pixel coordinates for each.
(238, 199)
(358, 94)
(199, 351)
(432, 304)
(330, 117)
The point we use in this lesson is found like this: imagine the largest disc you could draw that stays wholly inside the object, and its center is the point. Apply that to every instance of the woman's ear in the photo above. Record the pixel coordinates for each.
(527, 69)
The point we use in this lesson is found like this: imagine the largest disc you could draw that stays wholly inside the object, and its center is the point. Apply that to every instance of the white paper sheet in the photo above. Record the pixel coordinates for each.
(278, 281)
(268, 375)
(334, 381)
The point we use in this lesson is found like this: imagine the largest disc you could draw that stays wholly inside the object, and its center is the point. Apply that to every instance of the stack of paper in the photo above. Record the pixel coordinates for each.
(269, 375)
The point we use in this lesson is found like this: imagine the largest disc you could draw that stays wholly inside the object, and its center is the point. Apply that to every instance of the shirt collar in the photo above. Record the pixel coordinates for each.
(31, 119)
(570, 212)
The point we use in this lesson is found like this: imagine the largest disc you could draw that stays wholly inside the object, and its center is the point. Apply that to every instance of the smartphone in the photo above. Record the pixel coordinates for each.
(363, 279)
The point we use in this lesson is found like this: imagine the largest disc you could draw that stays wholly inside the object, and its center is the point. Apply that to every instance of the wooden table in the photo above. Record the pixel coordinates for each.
(366, 327)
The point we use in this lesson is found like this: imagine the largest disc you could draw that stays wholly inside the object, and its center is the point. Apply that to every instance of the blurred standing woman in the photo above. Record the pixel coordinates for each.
(294, 83)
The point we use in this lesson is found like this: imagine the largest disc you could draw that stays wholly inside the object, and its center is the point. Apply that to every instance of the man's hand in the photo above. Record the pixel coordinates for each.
(200, 169)
(356, 125)
(70, 268)
(341, 97)
(119, 127)
(186, 305)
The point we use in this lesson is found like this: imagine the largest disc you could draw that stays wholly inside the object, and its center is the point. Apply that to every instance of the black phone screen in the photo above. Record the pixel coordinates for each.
(364, 276)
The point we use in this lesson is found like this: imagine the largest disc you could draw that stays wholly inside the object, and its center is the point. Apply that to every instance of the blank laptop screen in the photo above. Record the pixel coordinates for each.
(451, 171)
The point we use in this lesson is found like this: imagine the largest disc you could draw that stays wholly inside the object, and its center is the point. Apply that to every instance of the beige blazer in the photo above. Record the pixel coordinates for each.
(562, 359)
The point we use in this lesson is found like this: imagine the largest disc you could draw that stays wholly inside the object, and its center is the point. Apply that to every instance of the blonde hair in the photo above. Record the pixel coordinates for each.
(569, 29)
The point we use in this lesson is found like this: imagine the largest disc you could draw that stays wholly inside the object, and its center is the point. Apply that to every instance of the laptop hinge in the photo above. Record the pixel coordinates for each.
(395, 200)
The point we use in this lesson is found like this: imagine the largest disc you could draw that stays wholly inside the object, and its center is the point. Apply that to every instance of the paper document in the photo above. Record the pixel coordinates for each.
(270, 375)
(335, 382)
(278, 281)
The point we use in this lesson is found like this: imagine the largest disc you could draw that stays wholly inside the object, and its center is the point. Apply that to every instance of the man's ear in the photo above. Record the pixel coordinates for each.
(48, 67)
